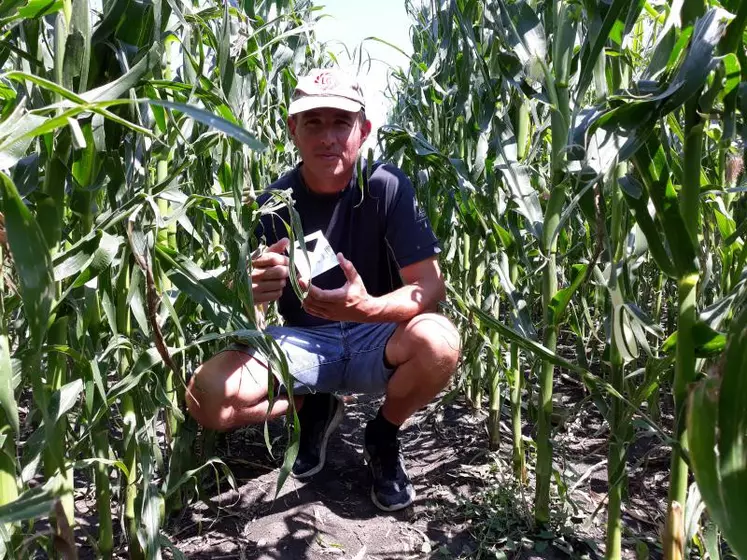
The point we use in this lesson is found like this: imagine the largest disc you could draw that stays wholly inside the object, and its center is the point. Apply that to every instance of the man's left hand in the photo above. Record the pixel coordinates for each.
(349, 303)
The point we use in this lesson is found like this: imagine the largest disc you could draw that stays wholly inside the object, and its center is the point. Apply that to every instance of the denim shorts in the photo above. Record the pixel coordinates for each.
(335, 358)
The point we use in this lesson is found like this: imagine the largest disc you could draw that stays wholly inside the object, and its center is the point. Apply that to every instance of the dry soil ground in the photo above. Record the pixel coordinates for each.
(467, 504)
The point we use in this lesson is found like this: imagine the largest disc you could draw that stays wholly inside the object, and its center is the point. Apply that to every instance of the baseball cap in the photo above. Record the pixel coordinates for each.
(328, 88)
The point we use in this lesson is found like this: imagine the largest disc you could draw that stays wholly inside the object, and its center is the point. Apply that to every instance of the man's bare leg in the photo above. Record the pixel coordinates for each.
(425, 352)
(230, 390)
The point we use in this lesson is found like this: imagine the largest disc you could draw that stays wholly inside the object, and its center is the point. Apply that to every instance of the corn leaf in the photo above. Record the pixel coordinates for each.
(708, 342)
(7, 397)
(717, 430)
(732, 433)
(64, 399)
(563, 297)
(637, 200)
(32, 504)
(234, 131)
(524, 31)
(32, 261)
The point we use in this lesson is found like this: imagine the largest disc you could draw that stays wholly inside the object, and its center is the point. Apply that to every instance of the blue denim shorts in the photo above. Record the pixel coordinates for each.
(335, 358)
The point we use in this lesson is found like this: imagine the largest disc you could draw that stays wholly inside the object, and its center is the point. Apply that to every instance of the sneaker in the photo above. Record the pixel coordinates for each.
(319, 416)
(392, 489)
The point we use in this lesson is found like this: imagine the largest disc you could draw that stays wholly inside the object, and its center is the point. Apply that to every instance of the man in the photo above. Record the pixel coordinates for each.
(368, 325)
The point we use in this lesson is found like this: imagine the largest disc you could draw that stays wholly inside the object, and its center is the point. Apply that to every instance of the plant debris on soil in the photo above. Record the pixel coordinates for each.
(468, 504)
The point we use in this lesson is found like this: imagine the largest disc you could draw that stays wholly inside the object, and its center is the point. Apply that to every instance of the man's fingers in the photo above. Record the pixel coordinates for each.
(276, 272)
(347, 267)
(279, 246)
(267, 297)
(315, 310)
(326, 296)
(269, 286)
(270, 259)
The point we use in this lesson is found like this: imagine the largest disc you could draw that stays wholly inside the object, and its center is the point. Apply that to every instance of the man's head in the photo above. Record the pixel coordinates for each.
(328, 124)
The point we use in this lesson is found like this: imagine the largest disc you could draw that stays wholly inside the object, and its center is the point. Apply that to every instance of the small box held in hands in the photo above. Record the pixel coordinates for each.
(321, 256)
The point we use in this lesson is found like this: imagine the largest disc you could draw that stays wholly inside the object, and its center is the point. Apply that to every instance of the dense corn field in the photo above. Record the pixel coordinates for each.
(581, 162)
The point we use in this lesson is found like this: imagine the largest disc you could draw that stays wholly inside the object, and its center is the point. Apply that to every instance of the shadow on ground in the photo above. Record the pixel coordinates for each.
(468, 503)
(331, 515)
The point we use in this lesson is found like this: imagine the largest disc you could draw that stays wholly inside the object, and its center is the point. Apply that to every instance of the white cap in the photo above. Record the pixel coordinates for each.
(327, 88)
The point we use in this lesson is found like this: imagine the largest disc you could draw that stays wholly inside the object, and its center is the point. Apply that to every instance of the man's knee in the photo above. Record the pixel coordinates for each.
(227, 381)
(434, 339)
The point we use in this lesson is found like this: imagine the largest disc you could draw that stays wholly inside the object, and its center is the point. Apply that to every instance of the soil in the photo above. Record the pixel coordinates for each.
(467, 505)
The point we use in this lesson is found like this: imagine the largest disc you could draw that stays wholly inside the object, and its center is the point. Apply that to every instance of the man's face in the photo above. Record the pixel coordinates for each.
(328, 141)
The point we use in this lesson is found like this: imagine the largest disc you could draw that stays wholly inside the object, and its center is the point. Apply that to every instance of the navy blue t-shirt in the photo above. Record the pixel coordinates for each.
(379, 228)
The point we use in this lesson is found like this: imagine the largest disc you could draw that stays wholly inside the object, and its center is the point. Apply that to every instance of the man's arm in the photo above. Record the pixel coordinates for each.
(423, 289)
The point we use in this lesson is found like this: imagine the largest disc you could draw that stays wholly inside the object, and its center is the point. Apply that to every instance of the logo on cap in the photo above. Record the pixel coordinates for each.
(326, 81)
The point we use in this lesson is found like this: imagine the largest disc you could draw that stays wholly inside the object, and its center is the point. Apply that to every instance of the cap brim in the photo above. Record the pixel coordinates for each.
(310, 102)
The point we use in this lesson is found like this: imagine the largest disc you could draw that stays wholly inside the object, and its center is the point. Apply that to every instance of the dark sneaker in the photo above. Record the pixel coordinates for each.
(319, 416)
(392, 489)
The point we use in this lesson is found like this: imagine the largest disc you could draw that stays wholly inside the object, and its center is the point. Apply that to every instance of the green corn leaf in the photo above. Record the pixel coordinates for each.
(32, 261)
(524, 31)
(112, 20)
(32, 504)
(739, 232)
(708, 342)
(136, 299)
(711, 541)
(527, 344)
(592, 381)
(213, 463)
(591, 51)
(220, 303)
(144, 363)
(517, 179)
(93, 461)
(32, 454)
(48, 85)
(64, 399)
(732, 432)
(717, 421)
(665, 48)
(123, 84)
(727, 81)
(699, 61)
(9, 8)
(291, 453)
(97, 249)
(14, 139)
(637, 200)
(563, 297)
(38, 8)
(515, 297)
(176, 554)
(7, 396)
(234, 131)
(651, 163)
(101, 259)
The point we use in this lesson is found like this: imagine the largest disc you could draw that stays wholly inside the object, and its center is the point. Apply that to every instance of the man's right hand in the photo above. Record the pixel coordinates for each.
(270, 272)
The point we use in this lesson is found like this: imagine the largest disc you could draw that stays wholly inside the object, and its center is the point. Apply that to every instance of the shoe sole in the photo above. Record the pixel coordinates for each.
(396, 507)
(336, 419)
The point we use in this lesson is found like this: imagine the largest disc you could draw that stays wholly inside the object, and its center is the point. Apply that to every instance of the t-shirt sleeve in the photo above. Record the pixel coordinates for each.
(408, 231)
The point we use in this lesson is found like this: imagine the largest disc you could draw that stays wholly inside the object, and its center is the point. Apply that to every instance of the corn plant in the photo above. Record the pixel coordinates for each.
(129, 179)
(602, 132)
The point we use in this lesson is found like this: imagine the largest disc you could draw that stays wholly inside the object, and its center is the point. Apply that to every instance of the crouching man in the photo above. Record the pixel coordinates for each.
(368, 325)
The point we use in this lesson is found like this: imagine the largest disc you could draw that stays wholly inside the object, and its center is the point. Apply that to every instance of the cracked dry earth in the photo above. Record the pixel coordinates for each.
(331, 515)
